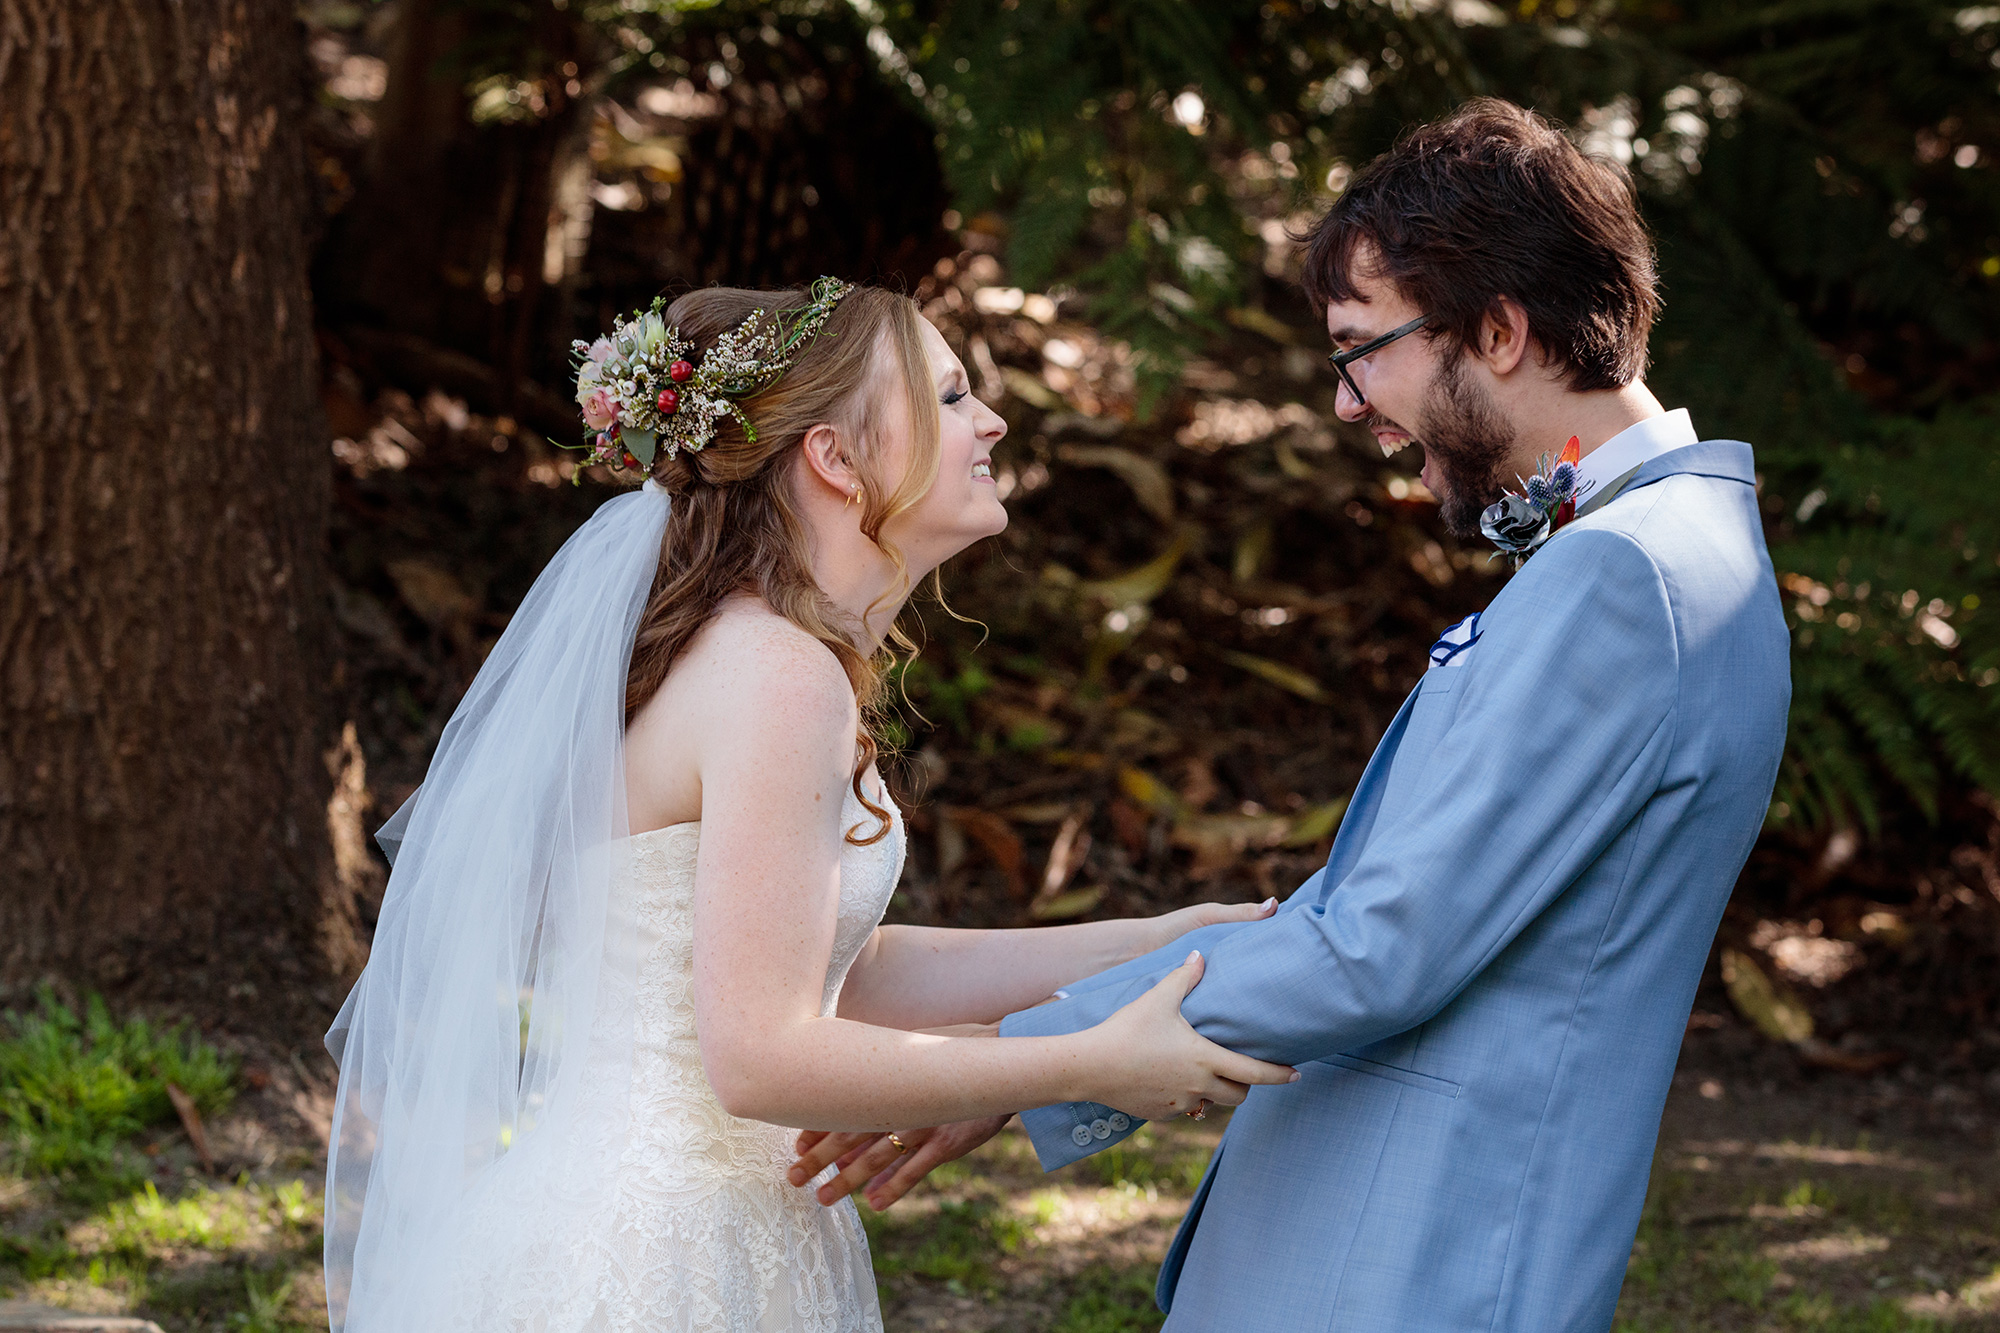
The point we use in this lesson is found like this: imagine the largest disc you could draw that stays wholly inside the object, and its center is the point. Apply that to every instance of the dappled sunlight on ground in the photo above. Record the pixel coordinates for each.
(1787, 1204)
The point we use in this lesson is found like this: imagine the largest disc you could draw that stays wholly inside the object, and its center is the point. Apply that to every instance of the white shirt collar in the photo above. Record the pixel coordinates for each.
(1634, 447)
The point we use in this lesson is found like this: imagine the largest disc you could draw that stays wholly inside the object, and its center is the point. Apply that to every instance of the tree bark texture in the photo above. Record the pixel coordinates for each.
(446, 239)
(812, 164)
(164, 762)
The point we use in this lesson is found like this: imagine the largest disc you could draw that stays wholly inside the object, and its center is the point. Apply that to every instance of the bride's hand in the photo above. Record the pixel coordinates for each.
(1147, 1061)
(1164, 930)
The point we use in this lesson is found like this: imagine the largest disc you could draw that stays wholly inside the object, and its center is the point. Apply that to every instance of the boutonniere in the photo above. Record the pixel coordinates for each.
(1520, 521)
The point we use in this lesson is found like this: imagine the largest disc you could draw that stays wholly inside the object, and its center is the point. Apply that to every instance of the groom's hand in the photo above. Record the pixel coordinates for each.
(871, 1163)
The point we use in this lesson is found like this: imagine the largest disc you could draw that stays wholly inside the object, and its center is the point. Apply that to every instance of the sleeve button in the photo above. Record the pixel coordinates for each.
(1081, 1135)
(1119, 1122)
(1100, 1129)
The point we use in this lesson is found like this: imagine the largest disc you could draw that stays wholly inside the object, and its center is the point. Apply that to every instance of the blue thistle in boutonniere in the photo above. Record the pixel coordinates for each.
(1520, 521)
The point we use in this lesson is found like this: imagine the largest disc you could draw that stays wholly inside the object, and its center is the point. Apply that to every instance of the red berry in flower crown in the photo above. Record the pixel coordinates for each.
(679, 371)
(629, 461)
(668, 401)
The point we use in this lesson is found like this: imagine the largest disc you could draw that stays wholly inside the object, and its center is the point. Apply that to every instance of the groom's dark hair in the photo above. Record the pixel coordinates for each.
(1494, 201)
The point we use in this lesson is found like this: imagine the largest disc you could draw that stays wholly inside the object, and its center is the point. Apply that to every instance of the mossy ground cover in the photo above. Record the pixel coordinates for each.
(1781, 1203)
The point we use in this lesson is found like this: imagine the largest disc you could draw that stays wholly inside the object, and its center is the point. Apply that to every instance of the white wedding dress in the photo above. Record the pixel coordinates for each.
(704, 1232)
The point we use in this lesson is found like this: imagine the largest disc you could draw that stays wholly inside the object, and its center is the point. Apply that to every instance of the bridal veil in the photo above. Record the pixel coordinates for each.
(492, 1024)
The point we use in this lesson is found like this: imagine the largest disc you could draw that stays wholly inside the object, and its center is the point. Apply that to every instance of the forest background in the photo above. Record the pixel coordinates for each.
(288, 294)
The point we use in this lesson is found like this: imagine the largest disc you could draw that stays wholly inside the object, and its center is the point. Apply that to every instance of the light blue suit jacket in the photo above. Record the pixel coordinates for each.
(1486, 987)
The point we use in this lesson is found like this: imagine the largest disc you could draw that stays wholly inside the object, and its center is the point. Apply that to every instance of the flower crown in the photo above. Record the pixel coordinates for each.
(640, 394)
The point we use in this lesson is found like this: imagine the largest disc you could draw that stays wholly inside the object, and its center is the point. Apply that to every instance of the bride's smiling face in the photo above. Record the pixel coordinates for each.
(963, 503)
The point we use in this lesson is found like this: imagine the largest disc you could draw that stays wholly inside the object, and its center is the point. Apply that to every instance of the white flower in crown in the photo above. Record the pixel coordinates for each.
(640, 393)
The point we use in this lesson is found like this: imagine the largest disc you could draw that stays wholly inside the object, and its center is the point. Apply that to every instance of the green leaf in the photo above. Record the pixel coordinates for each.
(643, 444)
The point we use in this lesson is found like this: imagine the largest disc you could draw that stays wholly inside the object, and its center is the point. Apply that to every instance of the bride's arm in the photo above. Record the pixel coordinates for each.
(775, 745)
(928, 976)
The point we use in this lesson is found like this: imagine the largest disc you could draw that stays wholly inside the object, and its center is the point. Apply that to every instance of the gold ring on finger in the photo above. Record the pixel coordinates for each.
(1199, 1112)
(901, 1147)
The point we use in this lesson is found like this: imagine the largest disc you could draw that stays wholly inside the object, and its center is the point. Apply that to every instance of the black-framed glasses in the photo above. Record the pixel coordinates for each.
(1340, 361)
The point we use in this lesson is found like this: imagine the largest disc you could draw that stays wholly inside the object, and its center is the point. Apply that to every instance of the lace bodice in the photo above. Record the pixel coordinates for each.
(662, 868)
(704, 1232)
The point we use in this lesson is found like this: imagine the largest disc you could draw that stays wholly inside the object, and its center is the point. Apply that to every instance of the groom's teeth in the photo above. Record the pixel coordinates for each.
(1389, 449)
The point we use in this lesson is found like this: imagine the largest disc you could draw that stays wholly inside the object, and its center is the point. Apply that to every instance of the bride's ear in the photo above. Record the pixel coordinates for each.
(830, 462)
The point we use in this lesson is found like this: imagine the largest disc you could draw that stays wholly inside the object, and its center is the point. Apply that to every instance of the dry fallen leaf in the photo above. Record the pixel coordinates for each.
(1149, 481)
(190, 1116)
(1064, 906)
(1316, 823)
(1277, 673)
(1769, 1006)
(1217, 840)
(434, 593)
(1139, 586)
(997, 839)
(1149, 791)
(1072, 844)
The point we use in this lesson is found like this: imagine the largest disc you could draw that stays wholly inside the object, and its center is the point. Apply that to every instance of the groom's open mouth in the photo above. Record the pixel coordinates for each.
(1392, 440)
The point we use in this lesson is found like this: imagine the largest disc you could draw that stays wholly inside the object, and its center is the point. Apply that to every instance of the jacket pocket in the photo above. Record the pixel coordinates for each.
(1443, 1087)
(1439, 679)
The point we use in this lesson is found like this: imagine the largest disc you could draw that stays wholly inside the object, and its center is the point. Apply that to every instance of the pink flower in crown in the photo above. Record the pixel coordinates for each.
(600, 351)
(599, 411)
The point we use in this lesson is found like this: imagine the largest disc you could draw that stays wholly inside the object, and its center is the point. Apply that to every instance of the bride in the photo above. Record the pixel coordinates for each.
(633, 925)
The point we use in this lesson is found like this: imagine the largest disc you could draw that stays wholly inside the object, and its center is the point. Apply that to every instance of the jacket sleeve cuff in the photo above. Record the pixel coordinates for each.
(1070, 1131)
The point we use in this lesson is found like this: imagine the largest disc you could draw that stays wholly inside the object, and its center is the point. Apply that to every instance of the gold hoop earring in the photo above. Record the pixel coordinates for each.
(850, 497)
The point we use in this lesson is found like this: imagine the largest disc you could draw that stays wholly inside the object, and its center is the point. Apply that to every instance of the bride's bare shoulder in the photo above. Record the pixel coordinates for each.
(750, 657)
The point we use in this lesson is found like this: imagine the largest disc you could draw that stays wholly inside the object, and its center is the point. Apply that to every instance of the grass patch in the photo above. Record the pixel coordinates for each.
(1819, 1314)
(90, 1222)
(74, 1088)
(242, 1257)
(1142, 1160)
(267, 1298)
(955, 1245)
(218, 1220)
(1110, 1300)
(1704, 1262)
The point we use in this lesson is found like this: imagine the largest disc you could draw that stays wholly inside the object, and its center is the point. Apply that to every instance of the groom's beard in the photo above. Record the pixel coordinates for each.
(1467, 442)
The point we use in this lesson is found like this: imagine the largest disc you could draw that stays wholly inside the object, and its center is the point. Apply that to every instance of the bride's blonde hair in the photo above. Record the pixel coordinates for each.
(735, 525)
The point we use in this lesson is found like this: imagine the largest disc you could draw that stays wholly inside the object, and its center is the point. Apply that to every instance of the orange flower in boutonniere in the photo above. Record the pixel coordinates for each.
(1520, 521)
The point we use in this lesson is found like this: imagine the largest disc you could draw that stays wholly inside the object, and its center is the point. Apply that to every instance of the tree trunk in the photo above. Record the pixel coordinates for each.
(809, 162)
(164, 778)
(447, 237)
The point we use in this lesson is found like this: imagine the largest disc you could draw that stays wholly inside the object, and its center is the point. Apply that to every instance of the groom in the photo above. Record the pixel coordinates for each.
(1486, 987)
